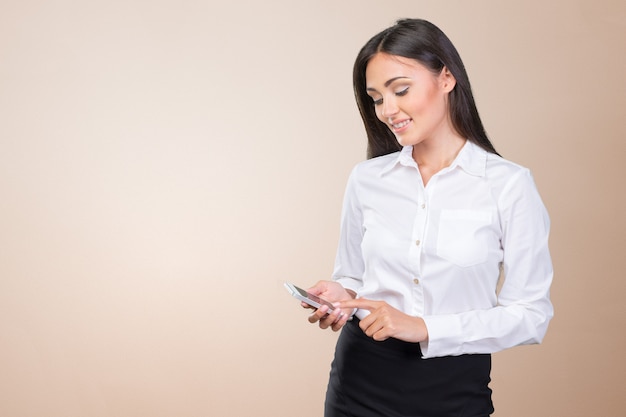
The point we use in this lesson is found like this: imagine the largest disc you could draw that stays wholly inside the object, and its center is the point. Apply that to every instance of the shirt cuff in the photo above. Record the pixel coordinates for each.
(350, 284)
(444, 336)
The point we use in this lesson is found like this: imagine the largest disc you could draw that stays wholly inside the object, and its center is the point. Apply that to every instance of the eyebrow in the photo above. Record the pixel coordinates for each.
(387, 83)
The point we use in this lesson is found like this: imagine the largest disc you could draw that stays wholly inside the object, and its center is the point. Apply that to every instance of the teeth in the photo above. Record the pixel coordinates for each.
(400, 125)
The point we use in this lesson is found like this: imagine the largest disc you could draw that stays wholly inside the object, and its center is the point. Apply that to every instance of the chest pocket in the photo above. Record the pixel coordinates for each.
(463, 237)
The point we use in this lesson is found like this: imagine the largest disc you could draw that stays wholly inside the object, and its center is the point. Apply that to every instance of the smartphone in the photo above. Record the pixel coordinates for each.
(307, 297)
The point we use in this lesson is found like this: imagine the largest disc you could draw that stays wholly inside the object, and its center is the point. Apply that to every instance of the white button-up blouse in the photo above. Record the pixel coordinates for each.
(437, 252)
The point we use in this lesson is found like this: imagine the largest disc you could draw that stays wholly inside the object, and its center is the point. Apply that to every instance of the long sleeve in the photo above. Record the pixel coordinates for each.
(349, 265)
(523, 307)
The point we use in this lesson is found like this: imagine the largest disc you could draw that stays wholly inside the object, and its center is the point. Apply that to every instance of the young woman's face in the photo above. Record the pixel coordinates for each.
(409, 98)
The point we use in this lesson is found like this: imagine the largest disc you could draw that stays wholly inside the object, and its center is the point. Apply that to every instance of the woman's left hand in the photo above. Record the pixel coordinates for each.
(385, 321)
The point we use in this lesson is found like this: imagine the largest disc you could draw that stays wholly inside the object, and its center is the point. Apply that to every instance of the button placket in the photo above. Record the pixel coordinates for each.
(415, 253)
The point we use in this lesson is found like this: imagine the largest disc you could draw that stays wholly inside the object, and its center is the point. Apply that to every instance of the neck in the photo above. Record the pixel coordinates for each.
(438, 155)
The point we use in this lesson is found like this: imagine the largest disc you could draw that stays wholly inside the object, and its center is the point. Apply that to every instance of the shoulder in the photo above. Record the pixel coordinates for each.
(500, 175)
(510, 181)
(375, 167)
(499, 167)
(379, 162)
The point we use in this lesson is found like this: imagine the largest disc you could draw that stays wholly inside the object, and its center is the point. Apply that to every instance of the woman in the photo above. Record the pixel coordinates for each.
(430, 221)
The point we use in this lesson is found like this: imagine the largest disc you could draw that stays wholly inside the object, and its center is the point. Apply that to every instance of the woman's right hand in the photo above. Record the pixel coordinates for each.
(333, 292)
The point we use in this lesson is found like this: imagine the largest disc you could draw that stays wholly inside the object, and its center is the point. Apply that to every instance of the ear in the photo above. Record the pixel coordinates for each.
(446, 80)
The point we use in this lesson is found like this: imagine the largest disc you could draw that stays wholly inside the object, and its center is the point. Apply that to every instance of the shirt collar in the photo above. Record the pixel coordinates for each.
(404, 158)
(472, 159)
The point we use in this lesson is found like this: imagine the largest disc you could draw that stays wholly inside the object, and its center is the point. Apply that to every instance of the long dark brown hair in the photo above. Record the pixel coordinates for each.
(424, 42)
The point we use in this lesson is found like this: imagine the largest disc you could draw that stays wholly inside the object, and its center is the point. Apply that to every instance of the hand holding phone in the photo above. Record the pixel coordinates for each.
(308, 298)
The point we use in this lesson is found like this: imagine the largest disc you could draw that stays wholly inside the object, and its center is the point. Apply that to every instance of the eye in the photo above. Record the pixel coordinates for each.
(402, 92)
(378, 102)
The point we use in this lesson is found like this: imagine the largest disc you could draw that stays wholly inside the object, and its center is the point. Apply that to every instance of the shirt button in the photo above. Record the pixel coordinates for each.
(423, 205)
(416, 281)
(417, 242)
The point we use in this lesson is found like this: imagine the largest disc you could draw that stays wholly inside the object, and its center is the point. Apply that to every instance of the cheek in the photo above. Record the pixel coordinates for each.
(440, 108)
(431, 107)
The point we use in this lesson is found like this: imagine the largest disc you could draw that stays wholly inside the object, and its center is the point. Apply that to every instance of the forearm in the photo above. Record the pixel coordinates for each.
(486, 331)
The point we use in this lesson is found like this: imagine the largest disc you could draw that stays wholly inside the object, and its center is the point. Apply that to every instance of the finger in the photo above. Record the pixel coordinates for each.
(341, 322)
(305, 305)
(331, 318)
(360, 303)
(380, 335)
(318, 314)
(373, 328)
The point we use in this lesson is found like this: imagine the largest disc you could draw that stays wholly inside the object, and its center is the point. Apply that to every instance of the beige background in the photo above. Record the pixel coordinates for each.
(166, 165)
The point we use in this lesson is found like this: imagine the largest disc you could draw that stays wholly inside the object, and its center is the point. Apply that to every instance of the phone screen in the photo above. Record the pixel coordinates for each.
(307, 297)
(313, 297)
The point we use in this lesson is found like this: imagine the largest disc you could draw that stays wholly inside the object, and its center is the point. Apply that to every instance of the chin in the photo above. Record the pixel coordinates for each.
(410, 140)
(405, 141)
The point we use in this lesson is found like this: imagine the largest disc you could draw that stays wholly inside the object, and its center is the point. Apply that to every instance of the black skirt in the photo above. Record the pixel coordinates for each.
(390, 379)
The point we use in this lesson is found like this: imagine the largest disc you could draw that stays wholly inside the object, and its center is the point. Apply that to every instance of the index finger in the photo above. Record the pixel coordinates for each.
(360, 303)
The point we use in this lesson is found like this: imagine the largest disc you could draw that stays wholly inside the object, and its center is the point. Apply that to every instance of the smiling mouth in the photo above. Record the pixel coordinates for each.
(398, 126)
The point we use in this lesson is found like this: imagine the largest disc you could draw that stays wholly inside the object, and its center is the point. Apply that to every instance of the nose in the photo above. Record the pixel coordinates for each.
(390, 108)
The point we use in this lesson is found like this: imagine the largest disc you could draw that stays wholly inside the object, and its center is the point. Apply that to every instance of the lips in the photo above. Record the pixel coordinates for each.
(398, 126)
